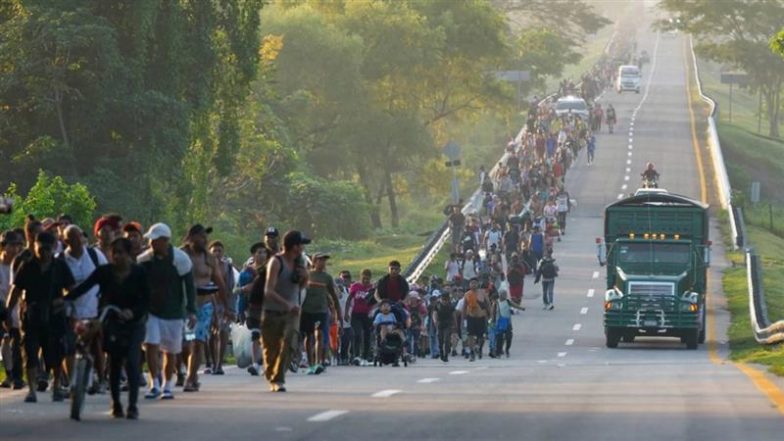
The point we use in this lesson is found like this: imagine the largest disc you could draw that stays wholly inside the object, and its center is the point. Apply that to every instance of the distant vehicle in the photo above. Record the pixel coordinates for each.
(628, 78)
(657, 250)
(572, 103)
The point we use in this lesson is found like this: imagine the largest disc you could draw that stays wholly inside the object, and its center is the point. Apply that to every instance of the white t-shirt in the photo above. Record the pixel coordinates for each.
(493, 238)
(342, 299)
(452, 270)
(85, 306)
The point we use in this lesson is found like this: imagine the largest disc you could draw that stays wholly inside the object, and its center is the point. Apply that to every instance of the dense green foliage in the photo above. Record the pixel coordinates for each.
(48, 197)
(321, 118)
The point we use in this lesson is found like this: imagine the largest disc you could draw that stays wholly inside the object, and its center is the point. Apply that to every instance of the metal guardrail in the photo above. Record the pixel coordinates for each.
(764, 331)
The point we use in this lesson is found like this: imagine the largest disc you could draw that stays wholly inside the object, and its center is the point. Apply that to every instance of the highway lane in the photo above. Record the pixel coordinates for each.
(560, 383)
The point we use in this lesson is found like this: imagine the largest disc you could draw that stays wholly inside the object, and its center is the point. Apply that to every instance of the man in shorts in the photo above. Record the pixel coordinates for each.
(320, 293)
(173, 296)
(475, 310)
(252, 287)
(210, 294)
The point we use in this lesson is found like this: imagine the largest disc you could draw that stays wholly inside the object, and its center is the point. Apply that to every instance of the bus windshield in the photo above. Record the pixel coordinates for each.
(652, 252)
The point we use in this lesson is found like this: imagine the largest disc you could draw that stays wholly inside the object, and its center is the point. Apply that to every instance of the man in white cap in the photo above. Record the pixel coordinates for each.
(173, 296)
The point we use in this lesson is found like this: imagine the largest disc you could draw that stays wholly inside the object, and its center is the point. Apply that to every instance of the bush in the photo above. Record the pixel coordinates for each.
(50, 197)
(327, 209)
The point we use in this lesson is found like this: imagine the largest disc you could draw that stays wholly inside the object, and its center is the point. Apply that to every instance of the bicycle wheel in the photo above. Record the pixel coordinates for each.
(81, 376)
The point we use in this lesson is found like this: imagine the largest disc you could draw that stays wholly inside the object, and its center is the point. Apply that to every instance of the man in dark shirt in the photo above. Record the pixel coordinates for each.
(394, 288)
(43, 280)
(444, 319)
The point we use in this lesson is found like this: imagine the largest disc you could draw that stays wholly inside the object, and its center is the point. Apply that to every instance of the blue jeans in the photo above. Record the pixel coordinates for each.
(547, 291)
(433, 336)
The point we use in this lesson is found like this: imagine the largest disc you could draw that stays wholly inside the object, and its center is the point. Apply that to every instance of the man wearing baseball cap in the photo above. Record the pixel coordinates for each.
(271, 239)
(173, 299)
(286, 276)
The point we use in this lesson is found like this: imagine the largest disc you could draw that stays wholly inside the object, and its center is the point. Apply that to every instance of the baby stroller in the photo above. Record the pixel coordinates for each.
(390, 350)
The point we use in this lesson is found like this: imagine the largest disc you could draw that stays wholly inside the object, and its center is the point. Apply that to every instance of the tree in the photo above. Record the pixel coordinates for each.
(777, 43)
(737, 33)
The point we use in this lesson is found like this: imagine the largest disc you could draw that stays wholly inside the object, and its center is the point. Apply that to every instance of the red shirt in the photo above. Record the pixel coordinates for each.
(357, 293)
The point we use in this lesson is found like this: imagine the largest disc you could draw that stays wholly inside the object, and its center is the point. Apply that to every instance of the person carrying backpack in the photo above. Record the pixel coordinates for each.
(547, 272)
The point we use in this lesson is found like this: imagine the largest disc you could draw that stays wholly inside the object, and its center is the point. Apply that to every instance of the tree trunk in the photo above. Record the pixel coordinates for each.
(58, 105)
(395, 217)
(375, 216)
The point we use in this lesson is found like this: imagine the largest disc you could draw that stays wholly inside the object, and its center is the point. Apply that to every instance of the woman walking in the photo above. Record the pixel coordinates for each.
(124, 285)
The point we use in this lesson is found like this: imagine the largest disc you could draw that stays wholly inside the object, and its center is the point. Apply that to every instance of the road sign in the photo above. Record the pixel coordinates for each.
(734, 78)
(452, 151)
(513, 75)
(755, 192)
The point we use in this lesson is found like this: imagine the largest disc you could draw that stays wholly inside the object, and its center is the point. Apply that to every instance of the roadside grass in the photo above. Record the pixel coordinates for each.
(745, 105)
(749, 157)
(744, 347)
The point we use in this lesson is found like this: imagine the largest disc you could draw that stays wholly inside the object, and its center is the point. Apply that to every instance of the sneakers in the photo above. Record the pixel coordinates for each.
(132, 413)
(311, 370)
(218, 371)
(57, 396)
(191, 387)
(544, 308)
(167, 395)
(31, 397)
(253, 371)
(42, 385)
(19, 384)
(551, 307)
(180, 380)
(117, 411)
(473, 357)
(6, 384)
(277, 387)
(153, 394)
(319, 369)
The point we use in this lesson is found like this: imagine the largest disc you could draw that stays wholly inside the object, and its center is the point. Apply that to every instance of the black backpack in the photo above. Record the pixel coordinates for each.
(548, 269)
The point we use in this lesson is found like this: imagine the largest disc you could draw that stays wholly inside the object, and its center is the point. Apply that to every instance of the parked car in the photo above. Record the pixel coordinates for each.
(573, 104)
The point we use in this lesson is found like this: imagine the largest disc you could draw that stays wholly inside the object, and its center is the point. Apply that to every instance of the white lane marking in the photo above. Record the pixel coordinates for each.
(591, 292)
(326, 416)
(626, 178)
(595, 275)
(458, 372)
(560, 365)
(577, 327)
(624, 187)
(584, 310)
(630, 153)
(569, 342)
(620, 196)
(561, 354)
(628, 169)
(541, 361)
(386, 393)
(628, 162)
(283, 429)
(631, 146)
(428, 380)
(631, 140)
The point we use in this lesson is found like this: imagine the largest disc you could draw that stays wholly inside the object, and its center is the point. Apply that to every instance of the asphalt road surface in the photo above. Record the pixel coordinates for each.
(560, 383)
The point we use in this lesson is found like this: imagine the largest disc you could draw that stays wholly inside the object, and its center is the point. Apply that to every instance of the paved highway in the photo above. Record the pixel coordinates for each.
(561, 383)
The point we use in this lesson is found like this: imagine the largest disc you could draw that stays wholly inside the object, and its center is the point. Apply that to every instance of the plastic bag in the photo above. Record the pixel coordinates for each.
(241, 344)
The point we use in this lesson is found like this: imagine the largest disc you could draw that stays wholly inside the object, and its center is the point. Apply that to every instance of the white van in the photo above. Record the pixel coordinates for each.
(628, 78)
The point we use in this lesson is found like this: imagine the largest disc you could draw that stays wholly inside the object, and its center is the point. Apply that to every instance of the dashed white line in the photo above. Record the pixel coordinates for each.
(428, 380)
(386, 393)
(631, 140)
(577, 327)
(584, 311)
(620, 196)
(630, 153)
(326, 416)
(631, 146)
(541, 361)
(595, 275)
(591, 292)
(624, 187)
(626, 178)
(628, 162)
(561, 354)
(458, 372)
(628, 169)
(283, 429)
(569, 342)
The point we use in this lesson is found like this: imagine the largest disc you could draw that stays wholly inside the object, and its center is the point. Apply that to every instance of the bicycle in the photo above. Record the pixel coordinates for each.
(86, 332)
